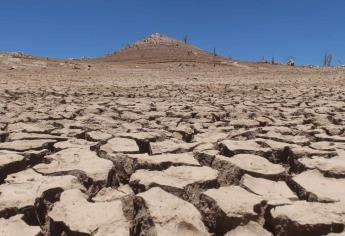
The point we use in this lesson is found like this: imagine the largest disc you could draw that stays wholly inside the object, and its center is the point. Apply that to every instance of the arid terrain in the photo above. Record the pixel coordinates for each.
(162, 138)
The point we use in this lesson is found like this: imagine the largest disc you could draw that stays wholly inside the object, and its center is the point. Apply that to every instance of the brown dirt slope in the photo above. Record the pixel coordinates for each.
(158, 48)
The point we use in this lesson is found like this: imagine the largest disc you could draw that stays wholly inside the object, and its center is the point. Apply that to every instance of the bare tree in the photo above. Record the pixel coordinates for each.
(185, 39)
(273, 61)
(291, 61)
(327, 59)
(214, 52)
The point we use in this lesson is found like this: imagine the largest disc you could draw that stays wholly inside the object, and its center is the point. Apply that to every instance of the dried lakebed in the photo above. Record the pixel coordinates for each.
(172, 160)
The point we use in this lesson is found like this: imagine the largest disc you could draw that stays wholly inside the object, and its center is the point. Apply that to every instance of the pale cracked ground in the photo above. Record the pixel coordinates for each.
(232, 158)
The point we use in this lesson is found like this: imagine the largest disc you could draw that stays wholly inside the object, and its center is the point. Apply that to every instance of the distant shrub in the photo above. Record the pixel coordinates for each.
(214, 52)
(185, 39)
(327, 59)
(273, 61)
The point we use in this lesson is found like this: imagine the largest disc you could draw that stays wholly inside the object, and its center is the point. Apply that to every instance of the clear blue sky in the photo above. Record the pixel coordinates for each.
(242, 29)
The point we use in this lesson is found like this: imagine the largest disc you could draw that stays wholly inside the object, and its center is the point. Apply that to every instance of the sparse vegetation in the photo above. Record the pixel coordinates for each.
(214, 52)
(273, 61)
(185, 39)
(291, 61)
(327, 59)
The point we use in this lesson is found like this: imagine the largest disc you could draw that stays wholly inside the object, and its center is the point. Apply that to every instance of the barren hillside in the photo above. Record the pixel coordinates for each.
(158, 48)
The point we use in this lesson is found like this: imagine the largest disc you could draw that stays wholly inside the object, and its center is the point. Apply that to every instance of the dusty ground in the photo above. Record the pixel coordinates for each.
(180, 148)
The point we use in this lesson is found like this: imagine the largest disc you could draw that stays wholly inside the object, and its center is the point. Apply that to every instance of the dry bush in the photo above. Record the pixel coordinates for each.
(327, 59)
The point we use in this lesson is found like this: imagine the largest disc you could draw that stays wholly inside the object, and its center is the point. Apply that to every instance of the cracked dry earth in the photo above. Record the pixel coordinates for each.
(172, 160)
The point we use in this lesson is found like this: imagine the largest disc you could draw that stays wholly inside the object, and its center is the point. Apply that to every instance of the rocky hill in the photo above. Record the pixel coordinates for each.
(158, 48)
